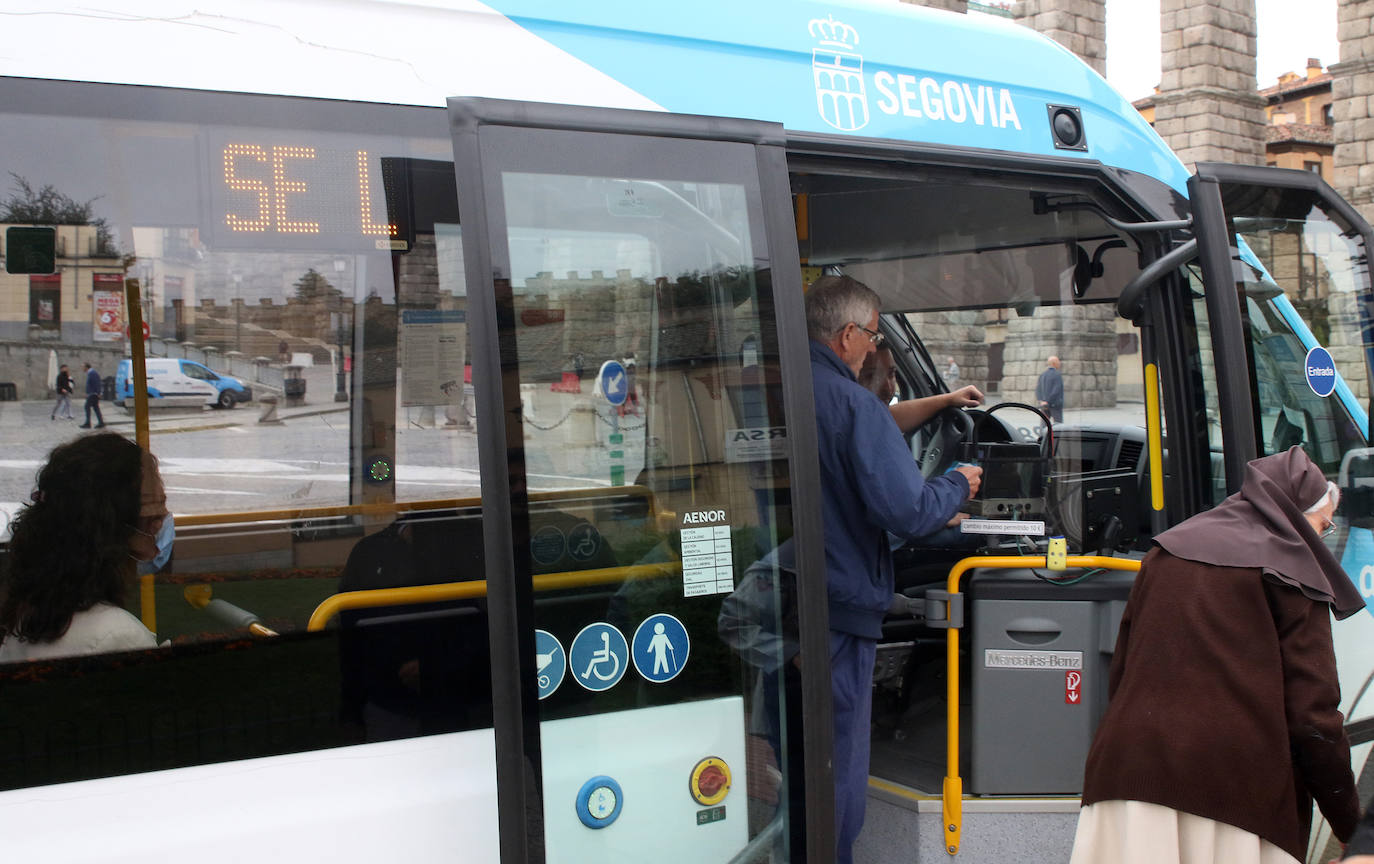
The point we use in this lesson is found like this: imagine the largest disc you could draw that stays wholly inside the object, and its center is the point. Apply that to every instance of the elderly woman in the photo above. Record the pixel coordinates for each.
(99, 510)
(1223, 723)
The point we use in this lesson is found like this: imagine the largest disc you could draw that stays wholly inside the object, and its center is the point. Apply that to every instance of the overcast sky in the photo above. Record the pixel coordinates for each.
(1290, 31)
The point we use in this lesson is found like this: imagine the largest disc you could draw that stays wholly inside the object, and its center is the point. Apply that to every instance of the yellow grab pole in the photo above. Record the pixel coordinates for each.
(952, 804)
(379, 597)
(138, 376)
(1154, 434)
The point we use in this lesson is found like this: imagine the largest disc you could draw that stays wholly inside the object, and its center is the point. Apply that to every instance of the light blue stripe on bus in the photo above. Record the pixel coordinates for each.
(928, 76)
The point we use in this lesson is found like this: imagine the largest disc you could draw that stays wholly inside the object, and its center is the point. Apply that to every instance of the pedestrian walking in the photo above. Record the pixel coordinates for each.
(94, 386)
(63, 386)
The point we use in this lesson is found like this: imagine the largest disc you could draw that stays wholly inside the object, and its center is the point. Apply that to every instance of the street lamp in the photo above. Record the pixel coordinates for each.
(340, 329)
(238, 312)
(340, 322)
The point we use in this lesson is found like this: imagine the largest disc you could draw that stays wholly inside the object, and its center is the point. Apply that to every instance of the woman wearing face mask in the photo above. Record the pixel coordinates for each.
(98, 516)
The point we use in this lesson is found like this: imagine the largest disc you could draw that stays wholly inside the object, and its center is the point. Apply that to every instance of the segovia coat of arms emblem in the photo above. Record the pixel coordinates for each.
(839, 74)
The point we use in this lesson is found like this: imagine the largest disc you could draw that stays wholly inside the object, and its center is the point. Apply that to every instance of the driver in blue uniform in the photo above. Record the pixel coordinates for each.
(870, 486)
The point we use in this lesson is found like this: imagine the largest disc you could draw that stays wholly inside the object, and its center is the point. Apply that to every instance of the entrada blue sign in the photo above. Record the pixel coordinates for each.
(1321, 371)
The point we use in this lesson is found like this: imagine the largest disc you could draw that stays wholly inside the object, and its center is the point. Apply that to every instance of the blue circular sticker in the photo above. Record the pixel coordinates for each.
(660, 648)
(583, 542)
(598, 656)
(613, 383)
(1321, 371)
(550, 662)
(547, 545)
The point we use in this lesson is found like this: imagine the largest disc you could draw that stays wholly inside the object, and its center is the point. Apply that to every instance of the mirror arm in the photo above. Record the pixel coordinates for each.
(1132, 298)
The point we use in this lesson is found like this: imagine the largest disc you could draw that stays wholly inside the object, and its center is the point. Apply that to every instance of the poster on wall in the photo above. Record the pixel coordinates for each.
(107, 316)
(433, 345)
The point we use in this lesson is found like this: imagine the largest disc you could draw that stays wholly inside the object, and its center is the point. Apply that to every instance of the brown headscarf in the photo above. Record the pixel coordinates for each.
(1263, 526)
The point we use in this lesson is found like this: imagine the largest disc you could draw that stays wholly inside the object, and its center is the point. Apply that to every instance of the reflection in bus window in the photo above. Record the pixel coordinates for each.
(291, 253)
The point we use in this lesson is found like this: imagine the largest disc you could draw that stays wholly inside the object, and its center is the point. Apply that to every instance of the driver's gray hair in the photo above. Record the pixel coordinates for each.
(833, 302)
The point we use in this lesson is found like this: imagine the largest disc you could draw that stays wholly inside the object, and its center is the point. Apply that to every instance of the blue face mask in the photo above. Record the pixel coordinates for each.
(166, 535)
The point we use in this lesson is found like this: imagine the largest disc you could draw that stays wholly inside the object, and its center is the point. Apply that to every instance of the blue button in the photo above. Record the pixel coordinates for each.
(599, 802)
(598, 656)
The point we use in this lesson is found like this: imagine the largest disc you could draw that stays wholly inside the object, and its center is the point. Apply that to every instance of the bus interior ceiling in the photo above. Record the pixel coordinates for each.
(952, 242)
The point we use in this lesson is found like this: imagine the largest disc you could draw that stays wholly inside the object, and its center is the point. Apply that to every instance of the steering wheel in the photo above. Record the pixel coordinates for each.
(942, 435)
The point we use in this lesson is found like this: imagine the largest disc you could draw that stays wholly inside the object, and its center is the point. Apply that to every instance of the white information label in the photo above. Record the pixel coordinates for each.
(1003, 526)
(996, 658)
(707, 559)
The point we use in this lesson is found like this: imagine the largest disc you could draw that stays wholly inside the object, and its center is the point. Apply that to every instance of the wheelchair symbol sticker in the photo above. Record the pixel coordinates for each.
(550, 662)
(583, 542)
(598, 657)
(660, 648)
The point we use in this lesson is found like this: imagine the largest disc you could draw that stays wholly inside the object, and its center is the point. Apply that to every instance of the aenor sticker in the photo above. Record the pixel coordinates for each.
(708, 563)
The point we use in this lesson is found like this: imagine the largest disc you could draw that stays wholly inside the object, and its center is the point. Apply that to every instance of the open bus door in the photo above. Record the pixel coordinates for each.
(658, 250)
(1292, 360)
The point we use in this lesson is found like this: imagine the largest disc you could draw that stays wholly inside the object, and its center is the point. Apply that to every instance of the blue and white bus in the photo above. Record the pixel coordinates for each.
(493, 573)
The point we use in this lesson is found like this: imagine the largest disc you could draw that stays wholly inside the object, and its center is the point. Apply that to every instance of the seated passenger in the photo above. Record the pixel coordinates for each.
(99, 510)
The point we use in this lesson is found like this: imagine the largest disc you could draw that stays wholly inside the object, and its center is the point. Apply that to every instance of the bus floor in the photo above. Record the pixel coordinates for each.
(908, 731)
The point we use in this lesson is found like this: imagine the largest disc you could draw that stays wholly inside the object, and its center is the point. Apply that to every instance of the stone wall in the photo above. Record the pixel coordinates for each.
(1078, 25)
(1084, 339)
(1207, 109)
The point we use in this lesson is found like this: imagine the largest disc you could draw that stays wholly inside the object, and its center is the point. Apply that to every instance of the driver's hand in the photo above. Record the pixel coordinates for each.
(974, 475)
(954, 522)
(966, 397)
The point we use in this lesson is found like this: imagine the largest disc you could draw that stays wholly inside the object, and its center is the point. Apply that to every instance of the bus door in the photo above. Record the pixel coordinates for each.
(1300, 353)
(638, 335)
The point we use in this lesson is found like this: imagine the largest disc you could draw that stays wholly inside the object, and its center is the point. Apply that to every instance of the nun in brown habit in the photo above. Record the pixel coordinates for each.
(1224, 720)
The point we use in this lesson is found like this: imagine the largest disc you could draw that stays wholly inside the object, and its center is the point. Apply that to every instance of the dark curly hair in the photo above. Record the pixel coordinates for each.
(69, 548)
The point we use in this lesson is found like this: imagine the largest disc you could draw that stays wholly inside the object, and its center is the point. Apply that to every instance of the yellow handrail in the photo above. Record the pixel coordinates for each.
(380, 597)
(204, 519)
(953, 797)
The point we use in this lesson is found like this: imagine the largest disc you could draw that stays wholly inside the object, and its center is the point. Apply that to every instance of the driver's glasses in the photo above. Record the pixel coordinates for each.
(873, 335)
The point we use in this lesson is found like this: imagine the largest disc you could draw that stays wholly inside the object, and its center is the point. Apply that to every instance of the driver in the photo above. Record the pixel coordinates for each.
(879, 375)
(870, 486)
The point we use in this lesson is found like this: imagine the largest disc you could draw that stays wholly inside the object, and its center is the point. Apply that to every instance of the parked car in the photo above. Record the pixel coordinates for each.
(182, 382)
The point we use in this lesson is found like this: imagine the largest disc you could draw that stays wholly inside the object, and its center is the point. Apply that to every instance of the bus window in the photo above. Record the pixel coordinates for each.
(635, 308)
(308, 253)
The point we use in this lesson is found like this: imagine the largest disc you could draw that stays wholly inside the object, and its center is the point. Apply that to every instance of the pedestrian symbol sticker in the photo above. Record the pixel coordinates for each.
(613, 383)
(599, 656)
(550, 662)
(660, 648)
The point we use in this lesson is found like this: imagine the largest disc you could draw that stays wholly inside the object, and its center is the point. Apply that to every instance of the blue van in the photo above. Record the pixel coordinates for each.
(182, 382)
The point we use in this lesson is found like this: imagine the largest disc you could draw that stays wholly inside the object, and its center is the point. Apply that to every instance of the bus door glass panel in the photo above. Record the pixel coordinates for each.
(1301, 259)
(305, 303)
(639, 319)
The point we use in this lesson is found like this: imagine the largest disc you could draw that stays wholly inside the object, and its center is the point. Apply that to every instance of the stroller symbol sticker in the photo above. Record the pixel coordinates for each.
(550, 662)
(598, 656)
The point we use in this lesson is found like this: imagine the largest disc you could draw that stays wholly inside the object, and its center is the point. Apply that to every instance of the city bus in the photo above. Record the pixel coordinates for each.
(516, 552)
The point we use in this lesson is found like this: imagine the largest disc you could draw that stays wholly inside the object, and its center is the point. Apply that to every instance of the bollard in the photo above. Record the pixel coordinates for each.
(269, 411)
